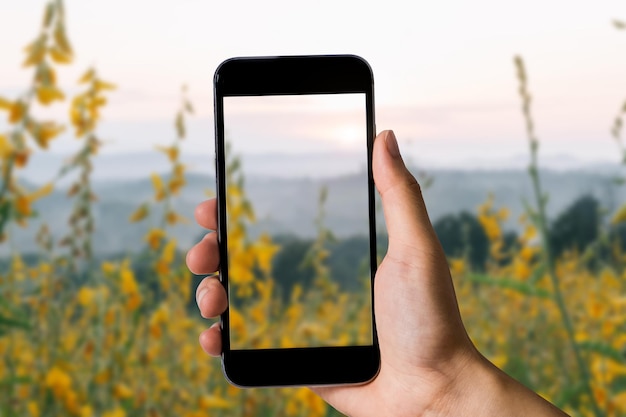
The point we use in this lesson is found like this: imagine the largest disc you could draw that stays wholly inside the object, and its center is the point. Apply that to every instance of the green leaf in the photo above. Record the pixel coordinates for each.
(602, 349)
(323, 195)
(518, 369)
(47, 19)
(14, 310)
(570, 395)
(5, 214)
(618, 384)
(180, 125)
(521, 287)
(14, 380)
(12, 322)
(188, 107)
(537, 274)
(532, 213)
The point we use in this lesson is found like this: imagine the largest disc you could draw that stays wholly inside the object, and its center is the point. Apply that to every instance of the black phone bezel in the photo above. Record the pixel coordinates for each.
(294, 75)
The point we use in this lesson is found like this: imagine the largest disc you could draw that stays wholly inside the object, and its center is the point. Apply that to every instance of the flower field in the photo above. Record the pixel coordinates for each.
(86, 336)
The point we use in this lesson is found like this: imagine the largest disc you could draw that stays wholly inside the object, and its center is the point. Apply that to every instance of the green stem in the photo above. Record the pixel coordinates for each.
(558, 294)
(541, 220)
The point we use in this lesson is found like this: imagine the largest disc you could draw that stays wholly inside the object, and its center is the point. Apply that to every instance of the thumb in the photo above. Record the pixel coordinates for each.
(406, 217)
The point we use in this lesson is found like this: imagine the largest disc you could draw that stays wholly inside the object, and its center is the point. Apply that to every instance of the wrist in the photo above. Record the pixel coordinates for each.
(481, 389)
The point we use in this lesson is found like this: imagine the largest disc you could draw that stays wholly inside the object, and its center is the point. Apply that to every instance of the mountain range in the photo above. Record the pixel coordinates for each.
(289, 205)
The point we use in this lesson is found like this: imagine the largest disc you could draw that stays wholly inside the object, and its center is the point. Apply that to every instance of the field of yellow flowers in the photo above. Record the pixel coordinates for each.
(86, 337)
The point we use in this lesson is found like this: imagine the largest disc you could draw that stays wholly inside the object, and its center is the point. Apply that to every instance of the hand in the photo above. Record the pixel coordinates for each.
(429, 365)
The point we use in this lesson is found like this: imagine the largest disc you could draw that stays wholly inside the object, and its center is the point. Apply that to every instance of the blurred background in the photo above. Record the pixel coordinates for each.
(106, 146)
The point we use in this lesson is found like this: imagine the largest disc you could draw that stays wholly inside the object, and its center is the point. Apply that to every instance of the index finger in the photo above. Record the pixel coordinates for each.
(206, 214)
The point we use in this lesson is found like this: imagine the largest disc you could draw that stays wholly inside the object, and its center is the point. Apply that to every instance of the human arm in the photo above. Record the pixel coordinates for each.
(429, 366)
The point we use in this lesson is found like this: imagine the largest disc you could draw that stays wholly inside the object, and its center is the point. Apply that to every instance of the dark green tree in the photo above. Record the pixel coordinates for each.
(287, 266)
(577, 226)
(461, 235)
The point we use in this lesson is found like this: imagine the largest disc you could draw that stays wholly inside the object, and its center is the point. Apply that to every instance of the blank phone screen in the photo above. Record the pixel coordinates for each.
(297, 211)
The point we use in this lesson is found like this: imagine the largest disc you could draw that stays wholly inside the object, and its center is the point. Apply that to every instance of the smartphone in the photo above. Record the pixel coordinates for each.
(296, 226)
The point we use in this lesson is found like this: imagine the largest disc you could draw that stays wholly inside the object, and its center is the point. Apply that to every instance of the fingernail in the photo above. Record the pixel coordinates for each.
(200, 294)
(392, 144)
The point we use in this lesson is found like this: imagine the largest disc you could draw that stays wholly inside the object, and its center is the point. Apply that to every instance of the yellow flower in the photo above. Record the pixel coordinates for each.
(599, 394)
(175, 184)
(76, 114)
(69, 341)
(157, 183)
(133, 302)
(490, 226)
(22, 205)
(457, 267)
(521, 270)
(305, 399)
(529, 233)
(258, 313)
(170, 151)
(294, 312)
(21, 157)
(46, 75)
(499, 360)
(23, 202)
(118, 412)
(178, 178)
(503, 214)
(86, 296)
(527, 253)
(241, 271)
(36, 53)
(33, 409)
(154, 237)
(122, 391)
(42, 191)
(286, 342)
(46, 94)
(296, 293)
(207, 401)
(265, 251)
(172, 218)
(128, 283)
(596, 309)
(5, 104)
(109, 317)
(44, 132)
(45, 268)
(158, 319)
(86, 411)
(161, 267)
(237, 323)
(102, 376)
(59, 56)
(620, 215)
(169, 252)
(17, 112)
(71, 402)
(87, 76)
(141, 213)
(100, 85)
(108, 267)
(58, 381)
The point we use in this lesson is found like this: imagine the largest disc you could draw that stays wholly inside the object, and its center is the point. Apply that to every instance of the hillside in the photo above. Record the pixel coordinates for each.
(288, 206)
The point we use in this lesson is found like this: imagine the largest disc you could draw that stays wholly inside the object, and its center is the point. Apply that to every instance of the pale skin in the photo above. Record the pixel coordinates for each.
(429, 366)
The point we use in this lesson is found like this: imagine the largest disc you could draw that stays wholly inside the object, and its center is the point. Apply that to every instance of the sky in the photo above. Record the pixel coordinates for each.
(444, 74)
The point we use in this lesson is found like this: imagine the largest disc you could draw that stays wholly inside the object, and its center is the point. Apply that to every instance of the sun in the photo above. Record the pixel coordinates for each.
(349, 136)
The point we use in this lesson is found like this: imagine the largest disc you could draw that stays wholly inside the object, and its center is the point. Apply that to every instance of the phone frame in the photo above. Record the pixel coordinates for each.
(294, 75)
